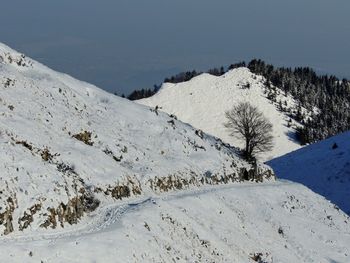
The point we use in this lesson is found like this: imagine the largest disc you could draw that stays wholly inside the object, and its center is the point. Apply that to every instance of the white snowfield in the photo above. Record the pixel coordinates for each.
(67, 147)
(324, 167)
(270, 222)
(89, 177)
(203, 101)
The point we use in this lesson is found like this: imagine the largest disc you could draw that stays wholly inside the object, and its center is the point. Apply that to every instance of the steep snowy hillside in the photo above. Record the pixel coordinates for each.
(324, 167)
(276, 222)
(67, 147)
(90, 177)
(202, 102)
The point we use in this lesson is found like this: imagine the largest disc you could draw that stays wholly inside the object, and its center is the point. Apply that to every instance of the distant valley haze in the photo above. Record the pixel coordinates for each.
(123, 45)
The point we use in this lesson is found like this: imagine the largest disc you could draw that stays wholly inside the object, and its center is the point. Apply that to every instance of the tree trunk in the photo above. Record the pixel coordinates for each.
(247, 149)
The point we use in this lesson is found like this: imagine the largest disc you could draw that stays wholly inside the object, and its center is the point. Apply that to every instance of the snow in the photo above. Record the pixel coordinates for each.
(284, 221)
(203, 101)
(44, 169)
(132, 145)
(321, 168)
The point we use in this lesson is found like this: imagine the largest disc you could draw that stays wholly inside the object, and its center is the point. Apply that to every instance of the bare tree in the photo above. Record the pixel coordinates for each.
(248, 124)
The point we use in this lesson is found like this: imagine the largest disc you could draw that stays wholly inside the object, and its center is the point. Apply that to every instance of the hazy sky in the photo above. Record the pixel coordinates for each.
(122, 45)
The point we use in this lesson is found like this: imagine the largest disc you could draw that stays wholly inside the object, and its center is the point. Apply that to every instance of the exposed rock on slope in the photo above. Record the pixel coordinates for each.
(67, 147)
(270, 222)
(71, 153)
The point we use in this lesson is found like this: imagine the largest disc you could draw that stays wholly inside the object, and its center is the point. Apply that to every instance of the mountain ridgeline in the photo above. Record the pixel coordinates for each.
(326, 97)
(329, 95)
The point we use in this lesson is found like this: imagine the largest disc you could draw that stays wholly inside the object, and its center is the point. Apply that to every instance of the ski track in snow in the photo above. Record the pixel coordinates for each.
(107, 217)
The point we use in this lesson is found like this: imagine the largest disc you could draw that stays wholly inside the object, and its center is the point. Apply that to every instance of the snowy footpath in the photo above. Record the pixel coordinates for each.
(271, 222)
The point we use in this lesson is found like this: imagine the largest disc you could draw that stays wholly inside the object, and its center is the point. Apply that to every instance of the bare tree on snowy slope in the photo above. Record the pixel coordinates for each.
(247, 123)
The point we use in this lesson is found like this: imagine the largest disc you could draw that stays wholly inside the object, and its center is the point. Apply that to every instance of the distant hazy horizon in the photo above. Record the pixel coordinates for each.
(123, 45)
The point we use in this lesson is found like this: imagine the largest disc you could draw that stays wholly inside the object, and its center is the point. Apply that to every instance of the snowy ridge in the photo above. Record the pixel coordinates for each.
(324, 167)
(203, 101)
(68, 147)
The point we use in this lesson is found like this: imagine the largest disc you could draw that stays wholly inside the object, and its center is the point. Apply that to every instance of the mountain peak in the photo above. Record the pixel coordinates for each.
(203, 101)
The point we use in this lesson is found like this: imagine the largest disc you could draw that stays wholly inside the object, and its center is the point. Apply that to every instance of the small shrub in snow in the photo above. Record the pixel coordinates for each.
(155, 110)
(173, 116)
(85, 137)
(280, 231)
(199, 133)
(147, 226)
(107, 151)
(111, 154)
(172, 123)
(25, 144)
(261, 258)
(246, 86)
(125, 149)
(46, 155)
(65, 168)
(118, 159)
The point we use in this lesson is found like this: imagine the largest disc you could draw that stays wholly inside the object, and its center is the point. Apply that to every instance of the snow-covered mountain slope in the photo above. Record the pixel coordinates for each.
(203, 101)
(90, 177)
(270, 222)
(67, 147)
(324, 167)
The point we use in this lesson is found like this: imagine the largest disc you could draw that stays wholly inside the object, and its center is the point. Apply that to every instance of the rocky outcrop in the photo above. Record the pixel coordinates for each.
(181, 181)
(27, 218)
(6, 217)
(71, 212)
